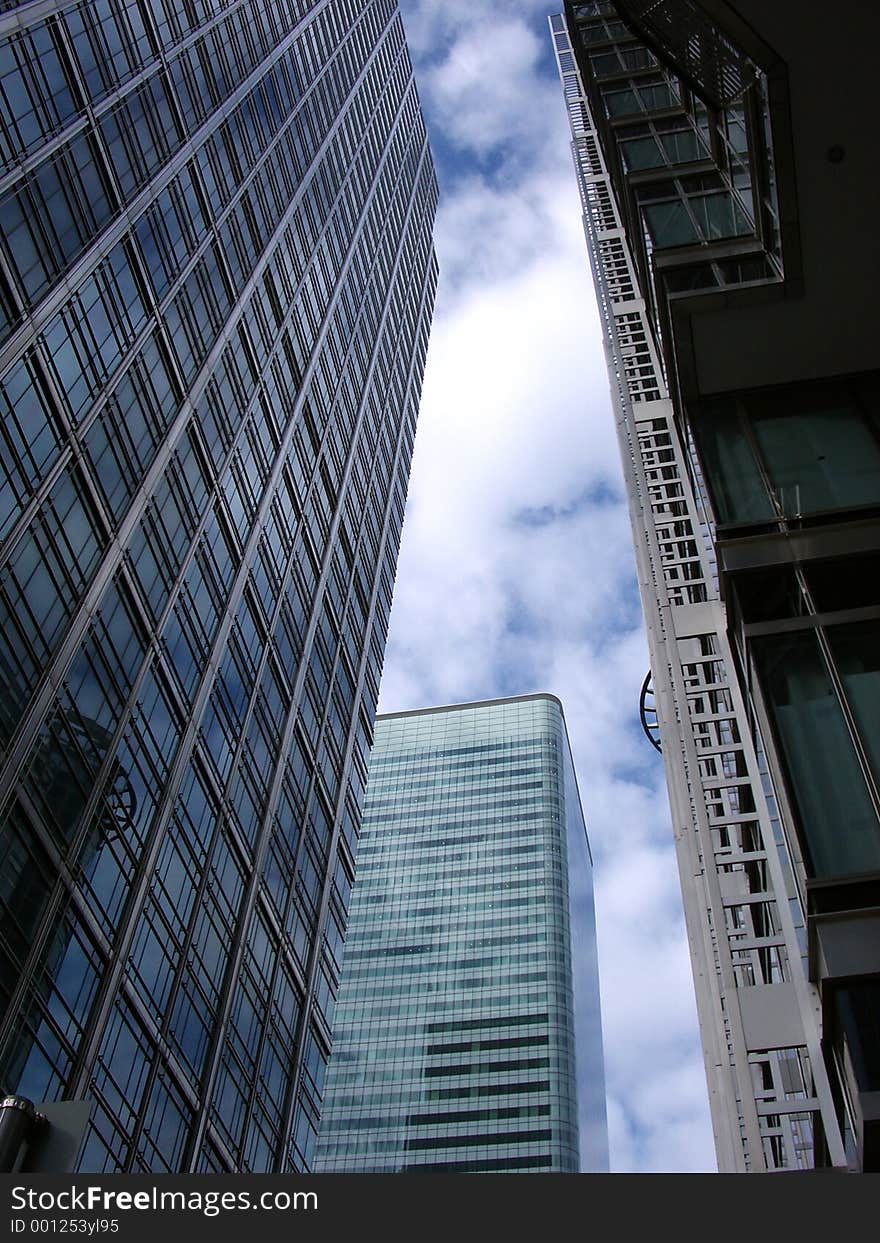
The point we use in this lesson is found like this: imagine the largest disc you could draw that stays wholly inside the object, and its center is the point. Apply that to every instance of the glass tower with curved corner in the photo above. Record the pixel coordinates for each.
(468, 1035)
(216, 282)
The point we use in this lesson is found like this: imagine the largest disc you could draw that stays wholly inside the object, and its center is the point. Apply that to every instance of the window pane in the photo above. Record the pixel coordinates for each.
(660, 96)
(608, 62)
(735, 125)
(619, 102)
(826, 785)
(857, 655)
(641, 153)
(670, 224)
(720, 215)
(857, 1011)
(820, 459)
(637, 58)
(682, 146)
(738, 492)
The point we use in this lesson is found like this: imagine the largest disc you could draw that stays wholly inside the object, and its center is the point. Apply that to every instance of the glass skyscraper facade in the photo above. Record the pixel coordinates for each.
(717, 148)
(216, 280)
(468, 1035)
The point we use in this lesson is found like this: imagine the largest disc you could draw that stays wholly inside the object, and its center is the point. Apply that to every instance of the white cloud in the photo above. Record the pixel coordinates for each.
(516, 569)
(485, 90)
(433, 25)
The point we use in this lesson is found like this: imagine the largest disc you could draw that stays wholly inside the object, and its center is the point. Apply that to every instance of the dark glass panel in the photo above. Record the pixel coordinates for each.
(820, 451)
(856, 651)
(857, 1013)
(765, 595)
(738, 491)
(844, 583)
(838, 821)
(670, 224)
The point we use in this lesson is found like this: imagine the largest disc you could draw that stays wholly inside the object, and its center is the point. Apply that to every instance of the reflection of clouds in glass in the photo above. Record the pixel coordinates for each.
(592, 1120)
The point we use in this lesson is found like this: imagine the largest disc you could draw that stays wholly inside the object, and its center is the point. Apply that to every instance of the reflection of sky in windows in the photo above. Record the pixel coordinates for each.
(455, 1025)
(180, 432)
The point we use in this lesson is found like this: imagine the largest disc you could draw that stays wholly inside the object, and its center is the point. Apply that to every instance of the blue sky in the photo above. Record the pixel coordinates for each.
(516, 570)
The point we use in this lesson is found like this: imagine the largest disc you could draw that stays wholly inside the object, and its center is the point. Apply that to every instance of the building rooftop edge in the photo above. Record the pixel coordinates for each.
(476, 703)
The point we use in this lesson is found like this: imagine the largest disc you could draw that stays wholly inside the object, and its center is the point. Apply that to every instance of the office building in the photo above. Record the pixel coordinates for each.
(217, 275)
(726, 172)
(468, 1035)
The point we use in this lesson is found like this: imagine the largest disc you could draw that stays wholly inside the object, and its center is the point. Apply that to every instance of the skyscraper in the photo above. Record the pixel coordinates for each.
(217, 275)
(468, 1035)
(725, 175)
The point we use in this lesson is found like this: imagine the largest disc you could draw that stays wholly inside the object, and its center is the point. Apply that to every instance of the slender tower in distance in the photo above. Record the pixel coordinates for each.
(468, 1035)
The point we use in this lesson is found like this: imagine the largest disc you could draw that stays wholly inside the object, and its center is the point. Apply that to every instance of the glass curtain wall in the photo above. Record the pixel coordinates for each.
(216, 276)
(470, 984)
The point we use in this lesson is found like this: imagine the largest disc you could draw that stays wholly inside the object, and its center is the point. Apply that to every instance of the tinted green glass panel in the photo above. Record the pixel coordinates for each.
(660, 96)
(738, 492)
(640, 153)
(720, 215)
(856, 651)
(826, 784)
(463, 993)
(682, 146)
(819, 459)
(857, 1010)
(618, 103)
(670, 224)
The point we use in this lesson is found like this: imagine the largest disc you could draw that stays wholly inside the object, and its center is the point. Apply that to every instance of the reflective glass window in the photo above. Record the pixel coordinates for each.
(839, 824)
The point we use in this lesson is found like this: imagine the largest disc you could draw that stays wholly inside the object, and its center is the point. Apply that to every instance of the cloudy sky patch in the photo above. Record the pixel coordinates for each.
(516, 570)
